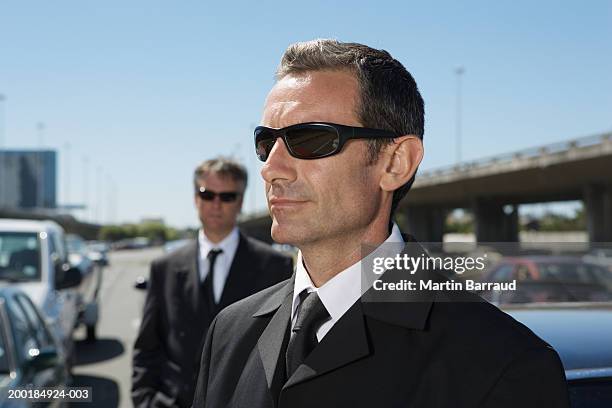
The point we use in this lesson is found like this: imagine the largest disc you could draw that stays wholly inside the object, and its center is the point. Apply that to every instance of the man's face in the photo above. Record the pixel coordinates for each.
(322, 199)
(219, 217)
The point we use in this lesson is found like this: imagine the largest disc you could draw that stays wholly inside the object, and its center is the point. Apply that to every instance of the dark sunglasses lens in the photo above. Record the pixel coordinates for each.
(228, 197)
(310, 143)
(207, 195)
(264, 147)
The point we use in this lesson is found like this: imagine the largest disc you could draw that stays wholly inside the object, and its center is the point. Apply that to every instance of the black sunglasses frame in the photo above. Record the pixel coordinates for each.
(345, 133)
(224, 196)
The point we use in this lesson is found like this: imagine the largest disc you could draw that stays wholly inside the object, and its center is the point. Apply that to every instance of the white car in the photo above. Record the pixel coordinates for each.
(33, 256)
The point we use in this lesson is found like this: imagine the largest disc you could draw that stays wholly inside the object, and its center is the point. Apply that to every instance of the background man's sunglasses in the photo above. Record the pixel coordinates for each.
(313, 140)
(226, 196)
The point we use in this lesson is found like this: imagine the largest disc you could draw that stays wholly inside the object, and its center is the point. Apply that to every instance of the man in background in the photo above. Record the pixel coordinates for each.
(190, 285)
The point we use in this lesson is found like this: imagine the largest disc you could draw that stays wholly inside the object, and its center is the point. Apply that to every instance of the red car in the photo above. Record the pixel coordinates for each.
(544, 278)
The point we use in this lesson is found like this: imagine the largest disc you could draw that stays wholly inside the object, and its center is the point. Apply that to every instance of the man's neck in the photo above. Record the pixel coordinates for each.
(216, 236)
(325, 259)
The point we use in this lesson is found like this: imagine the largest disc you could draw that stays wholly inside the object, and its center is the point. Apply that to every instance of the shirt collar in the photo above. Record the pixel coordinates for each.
(229, 244)
(340, 292)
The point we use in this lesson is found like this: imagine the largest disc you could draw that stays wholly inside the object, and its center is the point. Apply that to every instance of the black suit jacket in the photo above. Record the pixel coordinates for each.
(177, 315)
(433, 350)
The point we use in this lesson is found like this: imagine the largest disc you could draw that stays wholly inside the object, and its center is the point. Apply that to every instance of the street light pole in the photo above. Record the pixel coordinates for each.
(67, 148)
(2, 125)
(459, 71)
(86, 211)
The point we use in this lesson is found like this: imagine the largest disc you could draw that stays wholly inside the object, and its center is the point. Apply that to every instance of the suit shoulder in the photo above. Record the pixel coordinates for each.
(243, 310)
(250, 304)
(178, 256)
(481, 323)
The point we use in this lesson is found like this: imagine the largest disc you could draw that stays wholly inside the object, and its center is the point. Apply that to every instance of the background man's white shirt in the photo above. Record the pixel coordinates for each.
(228, 245)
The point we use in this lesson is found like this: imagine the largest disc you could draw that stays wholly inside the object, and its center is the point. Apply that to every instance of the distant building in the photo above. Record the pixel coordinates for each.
(28, 179)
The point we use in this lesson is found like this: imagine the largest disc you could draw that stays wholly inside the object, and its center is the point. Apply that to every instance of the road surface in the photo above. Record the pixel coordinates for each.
(106, 364)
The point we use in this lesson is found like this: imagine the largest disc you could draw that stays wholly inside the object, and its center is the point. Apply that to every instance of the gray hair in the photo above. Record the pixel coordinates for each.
(222, 166)
(388, 99)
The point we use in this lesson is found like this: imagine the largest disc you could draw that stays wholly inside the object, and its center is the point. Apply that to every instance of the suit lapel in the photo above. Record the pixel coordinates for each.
(272, 341)
(237, 278)
(187, 275)
(346, 342)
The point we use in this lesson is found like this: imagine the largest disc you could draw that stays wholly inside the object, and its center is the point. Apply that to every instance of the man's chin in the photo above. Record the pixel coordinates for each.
(284, 234)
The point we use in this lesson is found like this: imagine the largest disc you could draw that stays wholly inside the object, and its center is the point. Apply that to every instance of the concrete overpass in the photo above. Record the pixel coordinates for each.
(493, 187)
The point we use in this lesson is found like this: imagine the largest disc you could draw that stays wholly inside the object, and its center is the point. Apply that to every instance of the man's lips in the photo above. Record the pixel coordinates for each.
(279, 202)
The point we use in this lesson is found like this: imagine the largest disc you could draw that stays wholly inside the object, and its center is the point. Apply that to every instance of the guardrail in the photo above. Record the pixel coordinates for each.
(553, 148)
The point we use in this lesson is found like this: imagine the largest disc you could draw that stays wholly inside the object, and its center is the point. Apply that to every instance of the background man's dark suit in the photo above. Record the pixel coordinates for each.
(176, 316)
(404, 354)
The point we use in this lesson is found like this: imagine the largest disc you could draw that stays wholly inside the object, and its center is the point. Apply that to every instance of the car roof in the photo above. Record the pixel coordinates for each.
(580, 332)
(15, 225)
(544, 259)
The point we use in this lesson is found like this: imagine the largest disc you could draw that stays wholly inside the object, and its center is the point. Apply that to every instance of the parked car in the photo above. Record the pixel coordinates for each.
(29, 353)
(601, 256)
(97, 251)
(544, 278)
(92, 281)
(132, 243)
(171, 246)
(34, 257)
(582, 335)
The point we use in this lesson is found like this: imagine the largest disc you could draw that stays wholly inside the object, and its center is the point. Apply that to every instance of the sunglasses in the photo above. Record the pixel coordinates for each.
(226, 196)
(313, 140)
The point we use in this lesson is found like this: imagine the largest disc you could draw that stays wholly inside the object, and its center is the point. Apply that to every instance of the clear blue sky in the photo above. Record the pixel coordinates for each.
(145, 90)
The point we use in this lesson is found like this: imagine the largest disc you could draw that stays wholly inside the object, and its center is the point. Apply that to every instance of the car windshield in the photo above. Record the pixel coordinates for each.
(570, 272)
(75, 244)
(97, 247)
(19, 256)
(551, 279)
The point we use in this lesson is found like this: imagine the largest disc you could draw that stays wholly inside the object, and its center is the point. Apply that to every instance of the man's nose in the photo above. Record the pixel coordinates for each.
(216, 201)
(279, 165)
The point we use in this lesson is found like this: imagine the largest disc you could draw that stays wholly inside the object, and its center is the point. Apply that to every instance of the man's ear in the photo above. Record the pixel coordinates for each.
(401, 159)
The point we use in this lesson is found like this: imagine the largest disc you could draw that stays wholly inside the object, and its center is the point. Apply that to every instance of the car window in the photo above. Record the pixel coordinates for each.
(60, 246)
(36, 324)
(566, 272)
(75, 244)
(19, 256)
(25, 338)
(504, 273)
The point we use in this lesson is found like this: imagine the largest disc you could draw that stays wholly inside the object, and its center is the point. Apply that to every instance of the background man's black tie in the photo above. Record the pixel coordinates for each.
(311, 314)
(210, 278)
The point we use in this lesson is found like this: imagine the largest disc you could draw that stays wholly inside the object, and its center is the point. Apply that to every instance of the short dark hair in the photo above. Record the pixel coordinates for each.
(222, 166)
(389, 97)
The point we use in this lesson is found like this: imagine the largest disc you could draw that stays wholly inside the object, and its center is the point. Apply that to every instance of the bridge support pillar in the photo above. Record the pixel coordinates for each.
(598, 206)
(495, 222)
(426, 224)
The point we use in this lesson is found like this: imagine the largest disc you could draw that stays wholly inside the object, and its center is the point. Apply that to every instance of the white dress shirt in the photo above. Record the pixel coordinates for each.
(228, 245)
(337, 294)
